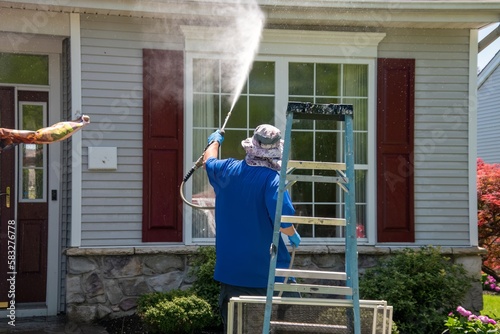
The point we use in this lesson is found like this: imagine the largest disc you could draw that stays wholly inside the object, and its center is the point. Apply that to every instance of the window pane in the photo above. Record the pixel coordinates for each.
(361, 185)
(261, 78)
(328, 80)
(32, 183)
(32, 117)
(327, 147)
(360, 148)
(24, 69)
(239, 114)
(206, 75)
(32, 155)
(301, 79)
(302, 144)
(356, 80)
(205, 110)
(261, 110)
(230, 74)
(326, 192)
(361, 220)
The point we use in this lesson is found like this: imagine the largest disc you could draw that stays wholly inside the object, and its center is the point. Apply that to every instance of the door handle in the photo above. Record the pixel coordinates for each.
(7, 197)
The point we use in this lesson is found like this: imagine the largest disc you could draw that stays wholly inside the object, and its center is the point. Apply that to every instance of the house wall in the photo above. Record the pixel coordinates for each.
(112, 96)
(488, 115)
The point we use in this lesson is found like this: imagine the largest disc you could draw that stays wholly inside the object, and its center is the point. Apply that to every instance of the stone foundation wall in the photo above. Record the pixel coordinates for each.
(103, 282)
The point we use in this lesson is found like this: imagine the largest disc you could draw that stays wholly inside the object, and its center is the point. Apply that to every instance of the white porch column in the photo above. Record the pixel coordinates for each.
(76, 143)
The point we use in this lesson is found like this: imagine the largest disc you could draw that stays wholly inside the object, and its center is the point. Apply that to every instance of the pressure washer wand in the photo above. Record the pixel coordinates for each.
(199, 162)
(197, 165)
(225, 121)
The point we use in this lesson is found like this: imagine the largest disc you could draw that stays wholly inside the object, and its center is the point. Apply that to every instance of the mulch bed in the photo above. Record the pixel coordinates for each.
(133, 324)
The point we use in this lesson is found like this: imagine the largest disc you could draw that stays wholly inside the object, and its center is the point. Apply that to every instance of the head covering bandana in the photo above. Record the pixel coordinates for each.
(265, 148)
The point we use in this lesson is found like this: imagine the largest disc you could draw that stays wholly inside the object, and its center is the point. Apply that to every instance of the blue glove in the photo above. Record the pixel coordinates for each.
(216, 136)
(294, 240)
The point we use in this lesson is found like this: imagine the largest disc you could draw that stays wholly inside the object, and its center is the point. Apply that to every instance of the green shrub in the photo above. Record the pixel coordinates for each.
(180, 315)
(152, 299)
(422, 286)
(204, 285)
(159, 310)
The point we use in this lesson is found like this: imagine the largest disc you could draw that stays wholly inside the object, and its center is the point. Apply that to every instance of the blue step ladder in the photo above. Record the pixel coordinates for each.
(345, 171)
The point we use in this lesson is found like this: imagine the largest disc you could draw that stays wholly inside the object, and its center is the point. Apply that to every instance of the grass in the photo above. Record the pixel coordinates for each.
(491, 306)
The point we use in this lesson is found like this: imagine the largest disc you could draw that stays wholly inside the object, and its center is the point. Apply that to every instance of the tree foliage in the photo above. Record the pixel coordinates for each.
(488, 206)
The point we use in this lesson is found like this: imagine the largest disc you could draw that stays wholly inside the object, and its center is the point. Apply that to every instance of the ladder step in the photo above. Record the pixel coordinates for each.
(333, 275)
(317, 178)
(313, 220)
(308, 327)
(316, 165)
(314, 288)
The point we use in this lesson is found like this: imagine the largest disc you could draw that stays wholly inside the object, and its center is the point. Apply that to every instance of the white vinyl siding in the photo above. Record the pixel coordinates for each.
(488, 113)
(441, 130)
(112, 97)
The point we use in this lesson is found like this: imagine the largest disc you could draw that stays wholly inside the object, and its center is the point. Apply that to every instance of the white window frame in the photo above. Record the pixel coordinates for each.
(282, 47)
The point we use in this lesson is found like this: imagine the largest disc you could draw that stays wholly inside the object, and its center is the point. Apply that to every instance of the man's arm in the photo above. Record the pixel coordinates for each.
(214, 142)
(288, 230)
(293, 235)
(211, 151)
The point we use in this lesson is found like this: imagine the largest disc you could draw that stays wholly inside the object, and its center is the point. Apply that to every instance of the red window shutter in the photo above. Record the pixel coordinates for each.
(163, 103)
(395, 128)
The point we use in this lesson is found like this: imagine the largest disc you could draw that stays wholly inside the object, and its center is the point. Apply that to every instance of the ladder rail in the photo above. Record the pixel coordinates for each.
(276, 231)
(350, 215)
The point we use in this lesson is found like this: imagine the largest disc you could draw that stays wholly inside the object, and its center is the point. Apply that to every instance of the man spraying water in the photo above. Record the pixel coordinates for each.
(245, 204)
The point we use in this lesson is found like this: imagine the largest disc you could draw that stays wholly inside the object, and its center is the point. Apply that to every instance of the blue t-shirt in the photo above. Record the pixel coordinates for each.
(245, 205)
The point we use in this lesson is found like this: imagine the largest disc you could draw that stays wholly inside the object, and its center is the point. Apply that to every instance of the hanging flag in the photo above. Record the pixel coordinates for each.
(57, 132)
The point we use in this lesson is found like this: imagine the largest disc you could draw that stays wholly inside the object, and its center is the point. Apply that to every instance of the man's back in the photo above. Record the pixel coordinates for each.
(244, 214)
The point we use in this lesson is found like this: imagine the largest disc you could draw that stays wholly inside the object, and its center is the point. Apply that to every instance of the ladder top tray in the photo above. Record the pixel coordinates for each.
(308, 110)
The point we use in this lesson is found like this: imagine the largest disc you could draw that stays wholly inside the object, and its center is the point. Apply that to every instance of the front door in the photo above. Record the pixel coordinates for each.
(28, 208)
